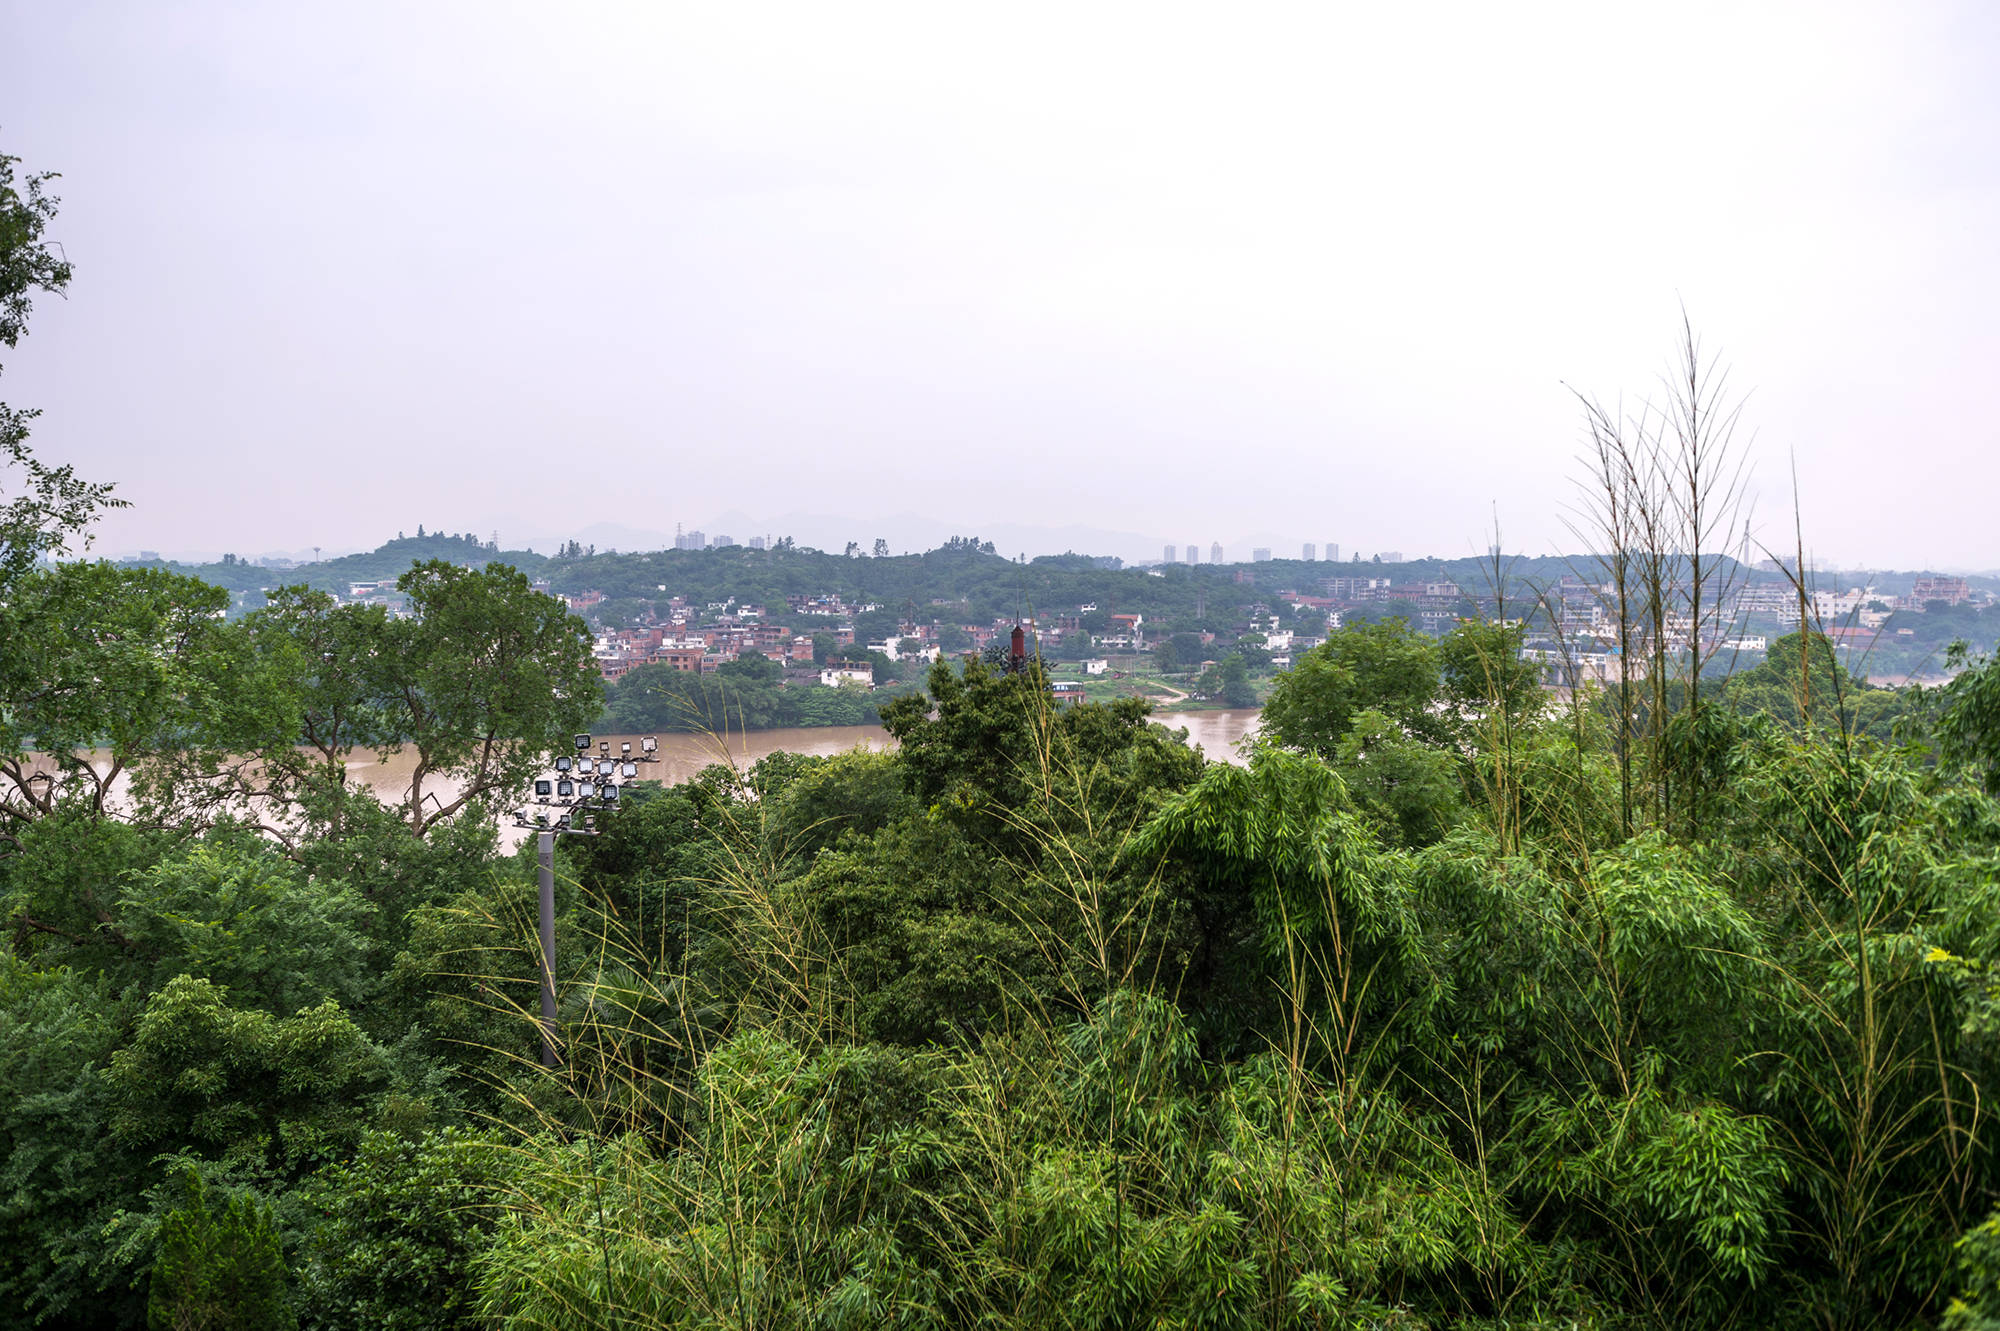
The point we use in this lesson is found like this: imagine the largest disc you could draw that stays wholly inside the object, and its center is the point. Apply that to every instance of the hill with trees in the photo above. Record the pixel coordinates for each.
(335, 575)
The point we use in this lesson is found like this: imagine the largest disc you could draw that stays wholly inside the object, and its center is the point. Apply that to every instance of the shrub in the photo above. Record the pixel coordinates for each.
(219, 1268)
(400, 1226)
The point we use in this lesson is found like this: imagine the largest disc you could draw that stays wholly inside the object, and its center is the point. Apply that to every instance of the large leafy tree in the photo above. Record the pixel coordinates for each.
(1410, 790)
(332, 659)
(58, 1029)
(1385, 667)
(219, 1266)
(204, 1074)
(89, 655)
(1228, 681)
(61, 881)
(134, 664)
(1400, 716)
(1488, 685)
(402, 1224)
(1802, 682)
(1025, 809)
(140, 908)
(233, 910)
(42, 508)
(995, 753)
(482, 680)
(486, 678)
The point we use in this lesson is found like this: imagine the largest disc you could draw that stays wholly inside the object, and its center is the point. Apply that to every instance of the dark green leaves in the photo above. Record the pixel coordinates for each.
(1384, 667)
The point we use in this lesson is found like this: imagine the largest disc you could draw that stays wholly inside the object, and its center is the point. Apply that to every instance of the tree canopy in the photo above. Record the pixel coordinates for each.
(43, 509)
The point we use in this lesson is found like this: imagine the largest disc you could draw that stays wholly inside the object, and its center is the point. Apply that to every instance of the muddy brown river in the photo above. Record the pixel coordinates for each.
(1217, 733)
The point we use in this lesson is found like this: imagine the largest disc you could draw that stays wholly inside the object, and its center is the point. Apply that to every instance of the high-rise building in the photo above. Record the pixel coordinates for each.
(1260, 554)
(1194, 554)
(720, 541)
(1332, 551)
(1310, 553)
(1215, 553)
(1172, 553)
(1391, 556)
(757, 543)
(693, 540)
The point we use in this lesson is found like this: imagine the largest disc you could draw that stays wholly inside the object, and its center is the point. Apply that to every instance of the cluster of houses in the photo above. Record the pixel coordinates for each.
(1576, 644)
(383, 593)
(701, 637)
(1582, 648)
(1439, 604)
(697, 638)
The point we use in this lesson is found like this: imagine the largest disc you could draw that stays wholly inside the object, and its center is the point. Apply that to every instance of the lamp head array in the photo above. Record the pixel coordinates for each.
(583, 784)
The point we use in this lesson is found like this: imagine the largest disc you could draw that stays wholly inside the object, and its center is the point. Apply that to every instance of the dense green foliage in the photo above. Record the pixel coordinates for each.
(219, 1268)
(1968, 726)
(1800, 682)
(1040, 1021)
(203, 1011)
(397, 1227)
(1454, 1005)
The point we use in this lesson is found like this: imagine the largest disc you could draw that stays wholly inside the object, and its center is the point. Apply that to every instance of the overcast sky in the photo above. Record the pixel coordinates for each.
(1315, 272)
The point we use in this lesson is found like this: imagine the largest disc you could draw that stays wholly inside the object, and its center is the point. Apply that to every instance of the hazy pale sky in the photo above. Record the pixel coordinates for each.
(1210, 272)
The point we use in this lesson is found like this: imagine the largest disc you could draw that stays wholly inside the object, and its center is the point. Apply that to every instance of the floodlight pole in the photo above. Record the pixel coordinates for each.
(546, 853)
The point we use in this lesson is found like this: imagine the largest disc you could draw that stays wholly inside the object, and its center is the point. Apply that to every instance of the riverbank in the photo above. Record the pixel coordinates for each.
(1167, 698)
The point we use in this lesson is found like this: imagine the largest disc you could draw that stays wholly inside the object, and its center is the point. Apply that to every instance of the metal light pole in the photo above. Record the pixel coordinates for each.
(575, 791)
(546, 853)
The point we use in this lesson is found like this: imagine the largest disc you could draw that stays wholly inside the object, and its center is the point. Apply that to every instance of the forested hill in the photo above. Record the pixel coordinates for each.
(386, 562)
(963, 572)
(964, 577)
(966, 573)
(966, 570)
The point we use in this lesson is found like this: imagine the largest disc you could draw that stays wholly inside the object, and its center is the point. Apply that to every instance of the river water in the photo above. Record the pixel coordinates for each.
(1217, 734)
